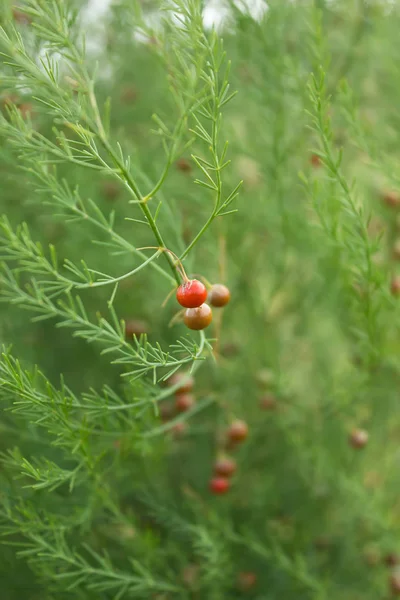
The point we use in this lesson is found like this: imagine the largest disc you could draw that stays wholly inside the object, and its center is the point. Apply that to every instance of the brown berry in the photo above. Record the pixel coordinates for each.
(225, 466)
(135, 327)
(111, 190)
(391, 198)
(395, 286)
(179, 429)
(238, 431)
(315, 160)
(219, 295)
(184, 402)
(26, 109)
(198, 318)
(396, 250)
(392, 559)
(21, 17)
(247, 580)
(268, 402)
(395, 583)
(183, 381)
(183, 165)
(128, 94)
(358, 438)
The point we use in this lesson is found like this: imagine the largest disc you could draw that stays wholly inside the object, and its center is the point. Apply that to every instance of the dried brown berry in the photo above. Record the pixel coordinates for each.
(225, 466)
(268, 402)
(111, 190)
(391, 198)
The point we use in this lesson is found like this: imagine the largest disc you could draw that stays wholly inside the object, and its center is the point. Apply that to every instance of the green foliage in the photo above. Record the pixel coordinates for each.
(116, 174)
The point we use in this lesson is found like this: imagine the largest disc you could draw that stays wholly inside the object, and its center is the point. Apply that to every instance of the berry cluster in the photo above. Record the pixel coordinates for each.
(192, 295)
(224, 466)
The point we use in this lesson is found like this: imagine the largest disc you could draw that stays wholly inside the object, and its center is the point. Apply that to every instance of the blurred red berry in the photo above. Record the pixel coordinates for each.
(183, 165)
(184, 402)
(184, 381)
(391, 198)
(315, 160)
(219, 485)
(268, 402)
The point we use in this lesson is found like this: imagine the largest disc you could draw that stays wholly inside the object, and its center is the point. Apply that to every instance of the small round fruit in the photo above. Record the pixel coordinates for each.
(182, 164)
(198, 318)
(392, 559)
(238, 431)
(315, 160)
(183, 381)
(135, 327)
(184, 402)
(219, 295)
(395, 583)
(219, 485)
(247, 580)
(225, 467)
(391, 198)
(179, 429)
(395, 286)
(358, 438)
(268, 402)
(191, 293)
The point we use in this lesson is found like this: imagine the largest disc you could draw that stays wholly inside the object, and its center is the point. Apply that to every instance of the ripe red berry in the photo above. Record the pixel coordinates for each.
(395, 286)
(219, 295)
(198, 318)
(247, 580)
(219, 485)
(179, 429)
(358, 438)
(191, 293)
(225, 467)
(184, 402)
(184, 381)
(238, 431)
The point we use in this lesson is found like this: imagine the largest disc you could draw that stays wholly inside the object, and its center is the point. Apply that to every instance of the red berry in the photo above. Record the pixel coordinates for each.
(219, 485)
(395, 286)
(358, 438)
(198, 318)
(184, 381)
(225, 467)
(219, 295)
(191, 294)
(247, 580)
(184, 402)
(238, 431)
